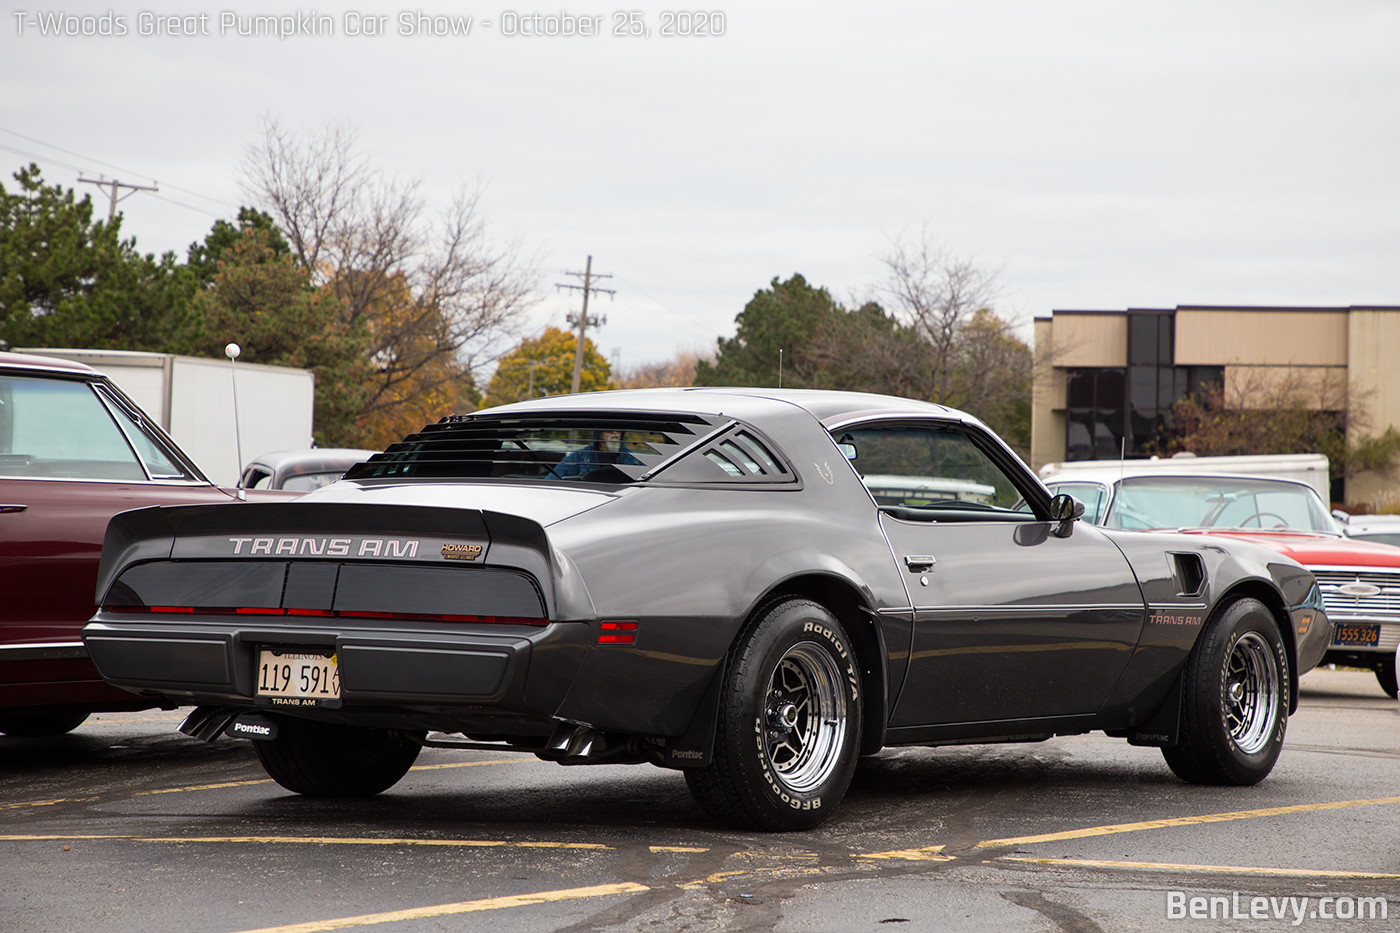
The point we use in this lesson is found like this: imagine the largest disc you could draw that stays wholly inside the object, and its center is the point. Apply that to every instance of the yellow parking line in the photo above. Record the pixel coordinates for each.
(1183, 821)
(465, 907)
(677, 849)
(320, 840)
(193, 787)
(46, 803)
(925, 854)
(1217, 869)
(181, 790)
(469, 764)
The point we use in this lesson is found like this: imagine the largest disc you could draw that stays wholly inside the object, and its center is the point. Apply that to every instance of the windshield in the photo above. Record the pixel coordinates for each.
(1217, 502)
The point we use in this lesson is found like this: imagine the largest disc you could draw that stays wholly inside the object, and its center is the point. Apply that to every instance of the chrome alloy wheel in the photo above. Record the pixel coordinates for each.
(804, 717)
(1250, 699)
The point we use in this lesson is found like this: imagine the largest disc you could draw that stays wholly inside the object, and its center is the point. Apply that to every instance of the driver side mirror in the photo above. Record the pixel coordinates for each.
(1065, 509)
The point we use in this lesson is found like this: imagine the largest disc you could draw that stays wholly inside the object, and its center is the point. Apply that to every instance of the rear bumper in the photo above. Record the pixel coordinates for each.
(452, 675)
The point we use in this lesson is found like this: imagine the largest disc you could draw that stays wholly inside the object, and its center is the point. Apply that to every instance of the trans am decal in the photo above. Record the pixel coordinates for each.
(352, 547)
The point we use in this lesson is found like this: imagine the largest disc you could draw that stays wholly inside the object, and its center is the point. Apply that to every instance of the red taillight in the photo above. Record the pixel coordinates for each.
(349, 614)
(617, 633)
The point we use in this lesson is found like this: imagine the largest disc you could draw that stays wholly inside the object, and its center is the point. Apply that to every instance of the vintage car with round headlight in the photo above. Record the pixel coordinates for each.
(754, 586)
(1359, 579)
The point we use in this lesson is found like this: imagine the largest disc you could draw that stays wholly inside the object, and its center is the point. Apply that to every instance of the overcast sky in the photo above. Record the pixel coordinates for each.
(1100, 154)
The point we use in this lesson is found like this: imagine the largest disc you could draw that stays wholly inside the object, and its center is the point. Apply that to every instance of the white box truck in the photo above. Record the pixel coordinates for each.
(1304, 468)
(193, 399)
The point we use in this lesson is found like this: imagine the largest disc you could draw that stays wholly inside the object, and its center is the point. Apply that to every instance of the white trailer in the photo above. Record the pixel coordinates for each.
(192, 397)
(1304, 468)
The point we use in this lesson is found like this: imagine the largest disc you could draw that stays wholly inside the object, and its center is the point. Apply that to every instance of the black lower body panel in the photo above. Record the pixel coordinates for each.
(479, 672)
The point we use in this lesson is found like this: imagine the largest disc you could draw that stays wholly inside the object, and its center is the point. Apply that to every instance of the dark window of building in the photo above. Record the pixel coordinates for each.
(1098, 398)
(1094, 420)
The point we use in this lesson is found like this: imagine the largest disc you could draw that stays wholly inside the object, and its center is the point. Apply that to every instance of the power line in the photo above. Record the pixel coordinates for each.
(72, 153)
(87, 158)
(38, 158)
(198, 210)
(708, 334)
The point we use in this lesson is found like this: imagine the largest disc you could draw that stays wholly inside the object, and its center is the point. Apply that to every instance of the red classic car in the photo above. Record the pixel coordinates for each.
(74, 451)
(1359, 580)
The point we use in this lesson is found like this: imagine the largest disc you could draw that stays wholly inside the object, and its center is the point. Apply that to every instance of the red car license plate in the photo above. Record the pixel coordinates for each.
(1357, 636)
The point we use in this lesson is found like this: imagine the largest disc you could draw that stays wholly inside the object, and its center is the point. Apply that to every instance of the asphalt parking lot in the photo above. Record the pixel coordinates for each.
(126, 825)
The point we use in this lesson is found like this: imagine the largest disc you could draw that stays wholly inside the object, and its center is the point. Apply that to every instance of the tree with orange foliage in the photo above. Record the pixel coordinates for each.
(544, 365)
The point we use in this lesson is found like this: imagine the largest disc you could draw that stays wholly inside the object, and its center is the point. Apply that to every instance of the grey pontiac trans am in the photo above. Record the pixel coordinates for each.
(754, 586)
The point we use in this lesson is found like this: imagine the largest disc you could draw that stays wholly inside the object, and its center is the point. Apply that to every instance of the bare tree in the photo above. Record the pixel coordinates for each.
(972, 358)
(677, 371)
(1286, 411)
(438, 299)
(937, 293)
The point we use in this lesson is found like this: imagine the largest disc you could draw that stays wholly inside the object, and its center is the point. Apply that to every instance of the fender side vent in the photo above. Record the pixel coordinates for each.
(1190, 574)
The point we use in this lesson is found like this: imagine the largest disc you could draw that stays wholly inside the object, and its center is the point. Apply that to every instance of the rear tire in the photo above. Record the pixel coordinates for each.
(788, 735)
(322, 759)
(41, 721)
(1385, 676)
(1235, 709)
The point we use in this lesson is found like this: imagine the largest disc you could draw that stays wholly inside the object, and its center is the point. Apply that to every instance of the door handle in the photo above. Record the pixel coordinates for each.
(918, 563)
(12, 508)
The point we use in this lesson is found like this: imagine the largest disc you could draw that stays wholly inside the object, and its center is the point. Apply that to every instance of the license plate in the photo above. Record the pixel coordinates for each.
(298, 674)
(1359, 636)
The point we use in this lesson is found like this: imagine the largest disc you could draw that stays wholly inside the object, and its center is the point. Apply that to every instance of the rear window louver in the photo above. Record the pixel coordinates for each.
(736, 456)
(532, 447)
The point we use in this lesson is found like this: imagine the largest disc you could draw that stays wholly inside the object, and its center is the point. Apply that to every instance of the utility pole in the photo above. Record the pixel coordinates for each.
(582, 320)
(112, 198)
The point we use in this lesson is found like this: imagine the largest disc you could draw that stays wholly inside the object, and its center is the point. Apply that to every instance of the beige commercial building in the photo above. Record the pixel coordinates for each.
(1109, 378)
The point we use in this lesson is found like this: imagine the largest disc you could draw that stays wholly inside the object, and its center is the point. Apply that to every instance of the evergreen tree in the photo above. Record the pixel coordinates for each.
(67, 280)
(784, 317)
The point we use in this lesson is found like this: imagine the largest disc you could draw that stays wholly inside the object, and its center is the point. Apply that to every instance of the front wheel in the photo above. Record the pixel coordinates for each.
(1235, 708)
(321, 759)
(789, 727)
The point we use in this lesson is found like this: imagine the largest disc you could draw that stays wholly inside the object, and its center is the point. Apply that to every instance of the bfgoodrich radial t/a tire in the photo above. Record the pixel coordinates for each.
(789, 725)
(322, 759)
(1235, 708)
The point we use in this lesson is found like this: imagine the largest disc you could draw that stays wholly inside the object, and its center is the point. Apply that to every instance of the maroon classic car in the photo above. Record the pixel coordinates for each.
(74, 451)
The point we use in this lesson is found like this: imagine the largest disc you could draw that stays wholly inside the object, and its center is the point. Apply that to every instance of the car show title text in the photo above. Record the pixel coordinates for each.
(300, 24)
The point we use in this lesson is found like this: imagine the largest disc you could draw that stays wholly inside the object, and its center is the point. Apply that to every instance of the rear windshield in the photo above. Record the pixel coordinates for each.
(604, 447)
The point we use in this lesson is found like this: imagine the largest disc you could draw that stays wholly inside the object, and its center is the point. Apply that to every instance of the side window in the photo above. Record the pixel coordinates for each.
(254, 478)
(159, 462)
(305, 482)
(58, 429)
(929, 468)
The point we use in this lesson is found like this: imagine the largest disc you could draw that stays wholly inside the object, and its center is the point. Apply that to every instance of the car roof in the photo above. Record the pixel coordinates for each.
(311, 460)
(47, 364)
(824, 405)
(1380, 523)
(1110, 476)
